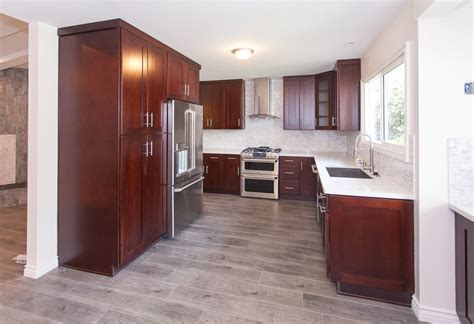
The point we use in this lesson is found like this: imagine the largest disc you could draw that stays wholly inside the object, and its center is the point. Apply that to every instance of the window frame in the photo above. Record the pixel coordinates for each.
(395, 150)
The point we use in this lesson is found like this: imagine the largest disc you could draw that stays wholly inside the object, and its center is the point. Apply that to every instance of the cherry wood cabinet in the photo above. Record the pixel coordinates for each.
(348, 76)
(222, 173)
(299, 102)
(370, 246)
(464, 229)
(297, 180)
(224, 104)
(112, 184)
(183, 79)
(325, 101)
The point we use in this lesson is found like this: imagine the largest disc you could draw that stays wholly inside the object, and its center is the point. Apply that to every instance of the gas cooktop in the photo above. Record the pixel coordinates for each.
(261, 152)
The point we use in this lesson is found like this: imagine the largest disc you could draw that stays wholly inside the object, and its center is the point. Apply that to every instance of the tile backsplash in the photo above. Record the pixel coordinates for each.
(7, 159)
(270, 132)
(461, 171)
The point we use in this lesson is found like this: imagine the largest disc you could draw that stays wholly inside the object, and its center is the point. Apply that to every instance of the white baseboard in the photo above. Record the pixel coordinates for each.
(37, 271)
(433, 315)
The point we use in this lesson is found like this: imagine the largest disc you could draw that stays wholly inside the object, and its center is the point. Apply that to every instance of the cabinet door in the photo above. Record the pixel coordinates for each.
(348, 95)
(234, 105)
(176, 77)
(325, 105)
(231, 173)
(132, 225)
(307, 179)
(307, 107)
(217, 112)
(192, 82)
(156, 88)
(213, 172)
(134, 89)
(291, 103)
(154, 193)
(207, 99)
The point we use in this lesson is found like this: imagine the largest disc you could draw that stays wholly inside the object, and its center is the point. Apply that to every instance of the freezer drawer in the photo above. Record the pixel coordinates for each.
(187, 204)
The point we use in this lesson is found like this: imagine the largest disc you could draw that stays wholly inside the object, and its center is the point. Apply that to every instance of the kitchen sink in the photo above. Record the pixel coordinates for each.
(348, 173)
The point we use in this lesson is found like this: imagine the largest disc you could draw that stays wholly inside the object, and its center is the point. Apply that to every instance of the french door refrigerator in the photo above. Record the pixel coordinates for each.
(186, 163)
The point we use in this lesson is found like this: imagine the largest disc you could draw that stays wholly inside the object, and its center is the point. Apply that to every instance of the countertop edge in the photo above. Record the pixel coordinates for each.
(461, 211)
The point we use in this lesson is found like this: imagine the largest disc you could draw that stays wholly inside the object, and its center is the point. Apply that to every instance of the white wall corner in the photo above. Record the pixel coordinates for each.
(433, 315)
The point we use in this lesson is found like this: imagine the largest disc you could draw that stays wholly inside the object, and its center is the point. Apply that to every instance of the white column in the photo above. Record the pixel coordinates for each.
(42, 255)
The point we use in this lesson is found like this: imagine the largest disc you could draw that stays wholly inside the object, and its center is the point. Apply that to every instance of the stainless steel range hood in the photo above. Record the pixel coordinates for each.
(262, 107)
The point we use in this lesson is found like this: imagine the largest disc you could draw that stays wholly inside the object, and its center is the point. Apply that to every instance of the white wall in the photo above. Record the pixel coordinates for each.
(42, 150)
(445, 63)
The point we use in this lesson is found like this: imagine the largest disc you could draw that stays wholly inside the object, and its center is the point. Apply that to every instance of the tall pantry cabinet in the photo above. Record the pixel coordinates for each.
(112, 197)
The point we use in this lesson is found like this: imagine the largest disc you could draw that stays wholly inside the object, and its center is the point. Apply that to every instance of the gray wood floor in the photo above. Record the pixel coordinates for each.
(244, 261)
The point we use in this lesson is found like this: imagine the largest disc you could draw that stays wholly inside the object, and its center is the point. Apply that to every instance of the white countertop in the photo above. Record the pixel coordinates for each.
(296, 153)
(378, 187)
(466, 211)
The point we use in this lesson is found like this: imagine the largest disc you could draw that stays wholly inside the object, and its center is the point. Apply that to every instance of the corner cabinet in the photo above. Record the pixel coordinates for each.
(112, 184)
(223, 103)
(348, 76)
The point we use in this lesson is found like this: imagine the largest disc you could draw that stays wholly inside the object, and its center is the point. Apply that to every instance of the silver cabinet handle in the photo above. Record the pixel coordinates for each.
(207, 122)
(151, 148)
(288, 172)
(290, 188)
(145, 116)
(151, 120)
(214, 157)
(231, 158)
(333, 121)
(301, 165)
(211, 122)
(238, 171)
(238, 122)
(207, 169)
(289, 160)
(146, 153)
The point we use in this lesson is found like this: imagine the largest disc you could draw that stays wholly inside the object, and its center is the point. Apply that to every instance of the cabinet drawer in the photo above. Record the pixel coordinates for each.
(289, 187)
(290, 161)
(290, 173)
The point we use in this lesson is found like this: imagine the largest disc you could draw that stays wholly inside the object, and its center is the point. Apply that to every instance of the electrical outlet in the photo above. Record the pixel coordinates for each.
(468, 88)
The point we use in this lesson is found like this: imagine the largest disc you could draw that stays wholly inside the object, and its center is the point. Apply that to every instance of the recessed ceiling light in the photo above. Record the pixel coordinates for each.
(242, 53)
(349, 44)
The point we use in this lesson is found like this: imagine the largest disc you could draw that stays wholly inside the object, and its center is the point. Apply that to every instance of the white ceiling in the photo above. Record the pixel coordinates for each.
(13, 42)
(289, 38)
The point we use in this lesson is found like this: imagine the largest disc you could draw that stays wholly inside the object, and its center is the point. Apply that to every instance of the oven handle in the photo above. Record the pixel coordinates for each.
(260, 160)
(259, 178)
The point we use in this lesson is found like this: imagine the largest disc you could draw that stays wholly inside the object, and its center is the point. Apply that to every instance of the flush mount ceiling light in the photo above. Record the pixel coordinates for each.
(242, 53)
(349, 44)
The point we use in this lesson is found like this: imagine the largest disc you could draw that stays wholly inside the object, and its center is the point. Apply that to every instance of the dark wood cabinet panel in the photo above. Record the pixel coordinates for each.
(290, 173)
(348, 94)
(307, 179)
(224, 104)
(113, 83)
(134, 88)
(464, 269)
(325, 100)
(371, 247)
(192, 82)
(212, 172)
(291, 103)
(176, 77)
(289, 188)
(132, 227)
(231, 173)
(307, 103)
(297, 180)
(290, 161)
(156, 88)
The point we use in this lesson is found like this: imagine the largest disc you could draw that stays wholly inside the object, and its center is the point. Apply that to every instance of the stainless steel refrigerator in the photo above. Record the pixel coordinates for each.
(186, 163)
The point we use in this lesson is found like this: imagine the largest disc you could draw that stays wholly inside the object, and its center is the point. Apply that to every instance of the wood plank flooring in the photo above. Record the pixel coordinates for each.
(244, 261)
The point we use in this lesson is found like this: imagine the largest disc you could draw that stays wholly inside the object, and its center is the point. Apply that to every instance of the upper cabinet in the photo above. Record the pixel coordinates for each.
(223, 103)
(183, 79)
(299, 102)
(326, 101)
(348, 94)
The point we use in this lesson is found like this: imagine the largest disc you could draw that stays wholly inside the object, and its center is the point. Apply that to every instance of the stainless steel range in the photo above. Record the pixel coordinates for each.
(259, 176)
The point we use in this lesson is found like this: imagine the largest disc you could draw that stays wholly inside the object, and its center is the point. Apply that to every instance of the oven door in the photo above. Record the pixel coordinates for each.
(260, 166)
(259, 186)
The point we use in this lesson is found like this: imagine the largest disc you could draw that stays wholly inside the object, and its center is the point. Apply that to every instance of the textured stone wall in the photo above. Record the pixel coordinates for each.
(270, 132)
(14, 121)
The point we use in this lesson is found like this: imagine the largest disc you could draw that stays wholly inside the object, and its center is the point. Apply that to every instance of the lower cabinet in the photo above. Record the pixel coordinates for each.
(369, 242)
(297, 180)
(464, 269)
(222, 173)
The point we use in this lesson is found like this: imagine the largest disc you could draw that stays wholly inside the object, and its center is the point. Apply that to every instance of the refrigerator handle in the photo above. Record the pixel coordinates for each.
(189, 185)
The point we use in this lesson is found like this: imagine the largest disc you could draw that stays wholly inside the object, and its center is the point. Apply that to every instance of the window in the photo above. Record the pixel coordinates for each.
(384, 106)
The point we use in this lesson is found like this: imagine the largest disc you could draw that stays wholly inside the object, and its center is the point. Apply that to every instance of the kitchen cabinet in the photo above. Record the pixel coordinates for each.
(112, 179)
(299, 102)
(183, 79)
(224, 104)
(348, 76)
(325, 100)
(370, 246)
(464, 236)
(222, 173)
(297, 180)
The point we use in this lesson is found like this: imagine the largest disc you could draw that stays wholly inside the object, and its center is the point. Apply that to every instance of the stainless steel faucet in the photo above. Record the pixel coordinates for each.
(371, 151)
